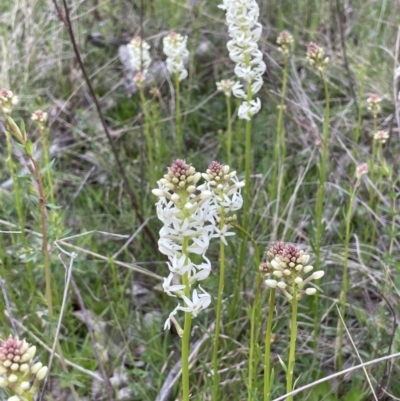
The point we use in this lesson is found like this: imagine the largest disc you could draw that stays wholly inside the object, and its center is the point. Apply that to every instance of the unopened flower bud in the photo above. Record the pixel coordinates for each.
(175, 197)
(24, 367)
(298, 280)
(14, 367)
(36, 367)
(381, 136)
(361, 170)
(307, 269)
(281, 285)
(42, 373)
(24, 386)
(12, 378)
(3, 382)
(39, 116)
(318, 274)
(310, 291)
(271, 283)
(284, 40)
(374, 104)
(316, 57)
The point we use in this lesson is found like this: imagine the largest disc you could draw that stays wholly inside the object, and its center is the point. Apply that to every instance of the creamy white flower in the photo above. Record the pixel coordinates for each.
(248, 109)
(177, 54)
(245, 31)
(197, 303)
(222, 234)
(188, 214)
(179, 265)
(225, 86)
(168, 288)
(139, 55)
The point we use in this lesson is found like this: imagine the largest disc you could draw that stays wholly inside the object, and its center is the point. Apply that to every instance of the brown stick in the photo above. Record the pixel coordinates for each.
(65, 18)
(345, 59)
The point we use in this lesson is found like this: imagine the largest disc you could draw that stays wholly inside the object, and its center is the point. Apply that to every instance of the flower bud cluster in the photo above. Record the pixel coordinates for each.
(374, 105)
(39, 116)
(287, 267)
(362, 169)
(188, 215)
(316, 57)
(381, 136)
(17, 371)
(285, 41)
(245, 31)
(225, 86)
(225, 187)
(7, 101)
(175, 48)
(139, 51)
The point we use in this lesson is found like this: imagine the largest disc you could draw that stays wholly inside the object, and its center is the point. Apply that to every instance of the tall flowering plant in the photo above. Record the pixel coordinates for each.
(175, 48)
(226, 190)
(192, 214)
(188, 215)
(245, 31)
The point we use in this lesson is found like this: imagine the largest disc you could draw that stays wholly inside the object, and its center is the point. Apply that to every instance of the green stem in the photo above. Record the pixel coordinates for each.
(267, 355)
(254, 316)
(17, 197)
(253, 342)
(280, 145)
(246, 206)
(320, 200)
(147, 134)
(178, 116)
(394, 214)
(229, 133)
(45, 247)
(46, 159)
(345, 280)
(186, 332)
(159, 144)
(292, 350)
(19, 207)
(218, 320)
(357, 131)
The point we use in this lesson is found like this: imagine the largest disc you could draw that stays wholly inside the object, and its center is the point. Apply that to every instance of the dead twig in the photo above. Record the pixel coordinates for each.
(65, 18)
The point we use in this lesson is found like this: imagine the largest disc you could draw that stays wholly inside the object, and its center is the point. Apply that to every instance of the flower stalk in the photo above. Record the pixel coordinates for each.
(361, 170)
(317, 59)
(287, 269)
(284, 40)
